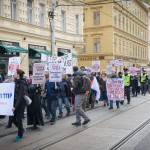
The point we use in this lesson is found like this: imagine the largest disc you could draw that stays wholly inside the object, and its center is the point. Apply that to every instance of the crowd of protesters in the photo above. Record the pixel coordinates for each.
(80, 90)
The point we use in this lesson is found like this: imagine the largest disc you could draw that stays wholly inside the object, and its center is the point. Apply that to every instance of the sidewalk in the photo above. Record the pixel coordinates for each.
(3, 122)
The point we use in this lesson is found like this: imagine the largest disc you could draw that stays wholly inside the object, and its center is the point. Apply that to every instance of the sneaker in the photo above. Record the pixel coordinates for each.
(52, 123)
(110, 107)
(60, 116)
(68, 114)
(128, 103)
(17, 139)
(76, 124)
(86, 121)
(6, 127)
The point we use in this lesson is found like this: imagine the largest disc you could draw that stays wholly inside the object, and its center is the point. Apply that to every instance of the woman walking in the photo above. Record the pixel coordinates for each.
(19, 103)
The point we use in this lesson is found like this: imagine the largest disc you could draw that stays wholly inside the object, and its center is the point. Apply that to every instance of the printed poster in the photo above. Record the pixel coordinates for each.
(14, 63)
(6, 98)
(38, 73)
(115, 89)
(95, 66)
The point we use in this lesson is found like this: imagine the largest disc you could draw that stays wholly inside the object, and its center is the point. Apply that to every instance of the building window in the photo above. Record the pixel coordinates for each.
(29, 11)
(120, 45)
(127, 48)
(83, 50)
(115, 45)
(0, 7)
(123, 23)
(42, 14)
(96, 18)
(96, 45)
(77, 24)
(115, 18)
(130, 27)
(83, 18)
(63, 21)
(127, 24)
(13, 9)
(119, 19)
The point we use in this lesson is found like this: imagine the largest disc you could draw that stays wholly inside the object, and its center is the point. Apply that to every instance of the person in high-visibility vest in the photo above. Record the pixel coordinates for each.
(127, 83)
(143, 80)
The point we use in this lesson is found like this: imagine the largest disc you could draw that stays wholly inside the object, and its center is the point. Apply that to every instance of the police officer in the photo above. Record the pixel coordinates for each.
(127, 83)
(143, 80)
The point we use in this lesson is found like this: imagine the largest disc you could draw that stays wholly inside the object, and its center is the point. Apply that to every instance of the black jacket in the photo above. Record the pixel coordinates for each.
(20, 85)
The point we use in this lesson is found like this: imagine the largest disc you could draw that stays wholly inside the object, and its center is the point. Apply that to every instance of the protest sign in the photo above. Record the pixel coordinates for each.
(67, 67)
(38, 73)
(133, 71)
(118, 62)
(112, 62)
(6, 98)
(95, 66)
(115, 89)
(55, 72)
(109, 69)
(14, 63)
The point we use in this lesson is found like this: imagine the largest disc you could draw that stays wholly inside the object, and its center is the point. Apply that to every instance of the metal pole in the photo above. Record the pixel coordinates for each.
(53, 36)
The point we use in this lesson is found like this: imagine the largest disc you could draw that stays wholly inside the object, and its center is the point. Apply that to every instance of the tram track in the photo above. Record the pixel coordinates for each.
(115, 146)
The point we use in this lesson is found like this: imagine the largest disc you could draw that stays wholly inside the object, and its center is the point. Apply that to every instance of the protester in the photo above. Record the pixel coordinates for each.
(143, 80)
(34, 110)
(51, 89)
(43, 98)
(104, 90)
(127, 83)
(111, 101)
(64, 93)
(135, 86)
(79, 91)
(149, 84)
(19, 103)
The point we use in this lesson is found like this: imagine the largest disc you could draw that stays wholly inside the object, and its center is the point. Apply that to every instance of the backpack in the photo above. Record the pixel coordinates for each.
(86, 84)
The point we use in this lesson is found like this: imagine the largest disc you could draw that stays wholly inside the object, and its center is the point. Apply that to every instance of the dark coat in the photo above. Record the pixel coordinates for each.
(19, 101)
(34, 111)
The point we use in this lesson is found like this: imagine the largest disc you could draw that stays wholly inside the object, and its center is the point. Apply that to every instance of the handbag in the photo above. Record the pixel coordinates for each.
(27, 99)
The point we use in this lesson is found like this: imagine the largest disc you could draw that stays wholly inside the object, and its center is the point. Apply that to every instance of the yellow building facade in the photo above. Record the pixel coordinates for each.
(115, 31)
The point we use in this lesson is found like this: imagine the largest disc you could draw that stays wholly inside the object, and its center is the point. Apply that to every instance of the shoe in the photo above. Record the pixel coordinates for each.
(52, 123)
(34, 128)
(86, 122)
(17, 139)
(96, 101)
(118, 107)
(60, 116)
(76, 124)
(110, 107)
(6, 127)
(121, 102)
(128, 103)
(68, 114)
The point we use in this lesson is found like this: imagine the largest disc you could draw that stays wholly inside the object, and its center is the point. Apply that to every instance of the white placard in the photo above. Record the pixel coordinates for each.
(118, 62)
(14, 63)
(67, 67)
(38, 73)
(6, 98)
(109, 69)
(95, 66)
(133, 71)
(55, 72)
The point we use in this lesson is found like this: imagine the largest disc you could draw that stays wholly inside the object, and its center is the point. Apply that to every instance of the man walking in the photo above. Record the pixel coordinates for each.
(127, 82)
(143, 80)
(80, 93)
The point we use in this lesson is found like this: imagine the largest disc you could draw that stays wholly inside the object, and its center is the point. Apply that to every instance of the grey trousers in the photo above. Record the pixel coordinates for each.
(79, 99)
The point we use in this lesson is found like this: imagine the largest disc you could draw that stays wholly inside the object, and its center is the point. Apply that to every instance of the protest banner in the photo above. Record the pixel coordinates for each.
(95, 66)
(109, 69)
(133, 71)
(112, 62)
(67, 67)
(115, 89)
(118, 62)
(55, 72)
(38, 73)
(6, 98)
(14, 63)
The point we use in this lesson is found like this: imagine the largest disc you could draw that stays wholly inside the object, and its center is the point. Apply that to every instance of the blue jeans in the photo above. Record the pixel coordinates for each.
(66, 102)
(51, 103)
(111, 104)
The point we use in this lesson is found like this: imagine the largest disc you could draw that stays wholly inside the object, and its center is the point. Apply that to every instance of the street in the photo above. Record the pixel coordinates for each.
(107, 127)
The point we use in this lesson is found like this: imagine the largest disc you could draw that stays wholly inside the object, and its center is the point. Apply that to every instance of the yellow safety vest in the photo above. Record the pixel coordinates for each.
(143, 78)
(126, 80)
